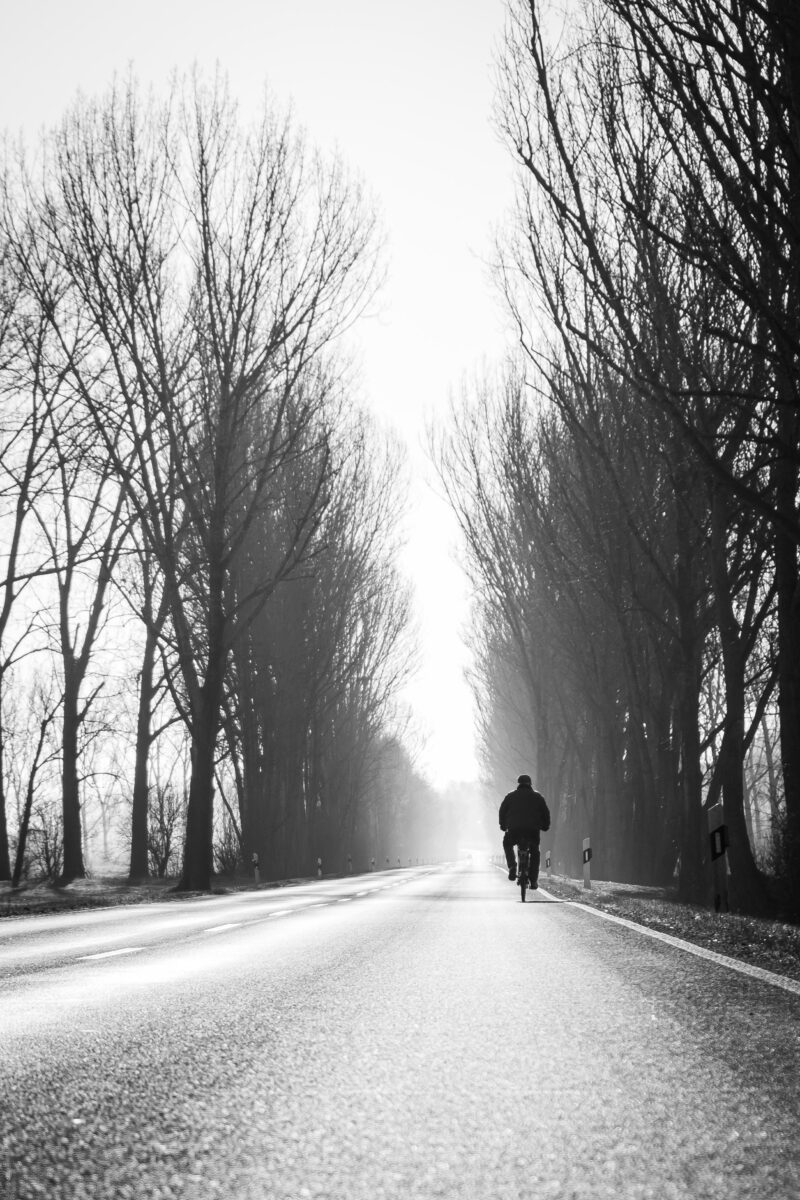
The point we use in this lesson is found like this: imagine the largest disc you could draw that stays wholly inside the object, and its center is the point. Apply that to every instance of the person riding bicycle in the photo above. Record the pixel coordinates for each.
(523, 814)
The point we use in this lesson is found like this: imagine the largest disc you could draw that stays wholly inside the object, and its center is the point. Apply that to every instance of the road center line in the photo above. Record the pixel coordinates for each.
(220, 928)
(735, 964)
(111, 953)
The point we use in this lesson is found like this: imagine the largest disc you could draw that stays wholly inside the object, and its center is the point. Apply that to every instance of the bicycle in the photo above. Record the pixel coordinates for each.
(523, 866)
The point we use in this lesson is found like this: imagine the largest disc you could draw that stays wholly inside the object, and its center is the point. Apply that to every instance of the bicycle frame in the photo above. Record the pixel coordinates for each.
(523, 866)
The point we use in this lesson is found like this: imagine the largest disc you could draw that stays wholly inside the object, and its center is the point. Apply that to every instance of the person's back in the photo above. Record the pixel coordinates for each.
(523, 813)
(524, 810)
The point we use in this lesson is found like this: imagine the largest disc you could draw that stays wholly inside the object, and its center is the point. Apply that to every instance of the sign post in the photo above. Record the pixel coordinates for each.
(587, 858)
(718, 836)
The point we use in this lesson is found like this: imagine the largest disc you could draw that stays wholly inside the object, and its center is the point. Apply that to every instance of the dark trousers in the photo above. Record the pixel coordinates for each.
(512, 838)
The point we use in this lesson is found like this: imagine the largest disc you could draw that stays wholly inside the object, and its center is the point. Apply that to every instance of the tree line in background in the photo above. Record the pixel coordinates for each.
(198, 595)
(628, 488)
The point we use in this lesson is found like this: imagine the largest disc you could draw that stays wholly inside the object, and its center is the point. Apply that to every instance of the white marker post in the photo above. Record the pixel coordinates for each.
(254, 862)
(547, 863)
(587, 858)
(319, 868)
(718, 836)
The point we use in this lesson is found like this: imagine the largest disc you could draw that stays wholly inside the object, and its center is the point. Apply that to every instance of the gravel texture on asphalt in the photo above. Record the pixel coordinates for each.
(440, 1040)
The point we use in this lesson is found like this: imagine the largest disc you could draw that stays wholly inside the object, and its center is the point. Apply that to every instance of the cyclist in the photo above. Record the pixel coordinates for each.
(523, 814)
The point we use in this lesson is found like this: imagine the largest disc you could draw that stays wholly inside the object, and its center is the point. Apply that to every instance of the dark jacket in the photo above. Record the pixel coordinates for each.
(524, 810)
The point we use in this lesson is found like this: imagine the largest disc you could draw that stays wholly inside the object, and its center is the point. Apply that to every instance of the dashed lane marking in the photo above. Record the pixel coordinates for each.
(282, 912)
(111, 953)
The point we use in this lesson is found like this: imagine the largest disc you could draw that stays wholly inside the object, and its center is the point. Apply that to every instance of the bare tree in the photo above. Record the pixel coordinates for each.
(33, 750)
(209, 271)
(28, 395)
(661, 143)
(81, 519)
(314, 681)
(139, 582)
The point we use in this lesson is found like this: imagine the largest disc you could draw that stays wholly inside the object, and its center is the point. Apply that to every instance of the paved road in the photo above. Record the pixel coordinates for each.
(432, 1038)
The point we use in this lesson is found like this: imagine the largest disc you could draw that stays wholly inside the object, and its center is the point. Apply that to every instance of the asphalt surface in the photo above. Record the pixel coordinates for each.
(408, 1034)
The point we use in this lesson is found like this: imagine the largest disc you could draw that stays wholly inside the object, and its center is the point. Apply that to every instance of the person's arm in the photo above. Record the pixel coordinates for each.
(545, 813)
(502, 814)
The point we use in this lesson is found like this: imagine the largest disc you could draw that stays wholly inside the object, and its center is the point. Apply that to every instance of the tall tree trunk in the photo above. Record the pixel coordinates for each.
(788, 590)
(28, 806)
(22, 840)
(5, 860)
(73, 867)
(247, 754)
(139, 866)
(198, 847)
(772, 774)
(748, 886)
(198, 852)
(692, 883)
(747, 883)
(786, 32)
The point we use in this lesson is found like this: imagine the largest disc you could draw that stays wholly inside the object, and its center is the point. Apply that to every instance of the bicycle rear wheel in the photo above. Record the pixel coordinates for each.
(523, 876)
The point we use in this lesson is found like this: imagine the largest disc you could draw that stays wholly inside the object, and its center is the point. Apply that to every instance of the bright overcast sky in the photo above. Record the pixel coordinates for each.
(404, 91)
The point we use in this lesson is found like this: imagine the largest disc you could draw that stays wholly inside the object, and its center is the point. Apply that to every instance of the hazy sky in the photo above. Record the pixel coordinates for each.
(404, 91)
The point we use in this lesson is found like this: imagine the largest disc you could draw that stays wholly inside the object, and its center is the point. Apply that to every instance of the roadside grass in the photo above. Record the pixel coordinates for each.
(772, 945)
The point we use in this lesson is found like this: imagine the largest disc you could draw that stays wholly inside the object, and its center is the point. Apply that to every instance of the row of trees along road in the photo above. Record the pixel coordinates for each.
(191, 499)
(628, 489)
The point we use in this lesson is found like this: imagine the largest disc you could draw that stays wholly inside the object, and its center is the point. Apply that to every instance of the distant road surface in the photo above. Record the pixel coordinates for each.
(409, 1034)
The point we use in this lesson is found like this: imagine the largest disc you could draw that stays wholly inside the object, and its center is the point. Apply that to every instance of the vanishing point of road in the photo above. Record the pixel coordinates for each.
(409, 1034)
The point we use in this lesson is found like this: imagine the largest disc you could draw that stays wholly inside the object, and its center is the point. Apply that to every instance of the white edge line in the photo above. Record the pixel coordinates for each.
(735, 964)
(110, 953)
